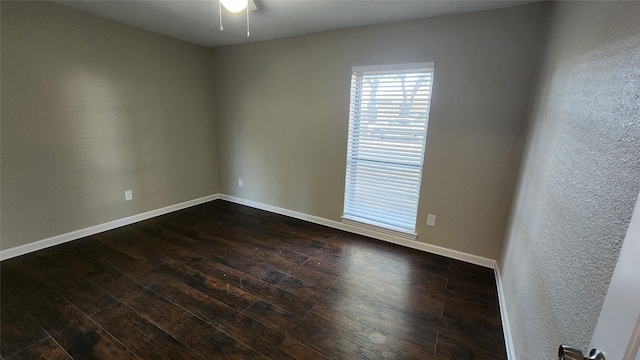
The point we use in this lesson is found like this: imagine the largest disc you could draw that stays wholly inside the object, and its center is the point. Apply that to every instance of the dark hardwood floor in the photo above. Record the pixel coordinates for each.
(221, 280)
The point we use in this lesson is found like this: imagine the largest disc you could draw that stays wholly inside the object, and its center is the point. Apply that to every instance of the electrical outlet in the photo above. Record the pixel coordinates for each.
(240, 183)
(431, 220)
(128, 195)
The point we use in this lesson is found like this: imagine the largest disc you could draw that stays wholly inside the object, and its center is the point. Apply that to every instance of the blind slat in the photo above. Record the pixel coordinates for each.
(403, 213)
(373, 193)
(381, 183)
(367, 210)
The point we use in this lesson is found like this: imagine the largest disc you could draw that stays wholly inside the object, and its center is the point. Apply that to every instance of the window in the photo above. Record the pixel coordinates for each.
(387, 135)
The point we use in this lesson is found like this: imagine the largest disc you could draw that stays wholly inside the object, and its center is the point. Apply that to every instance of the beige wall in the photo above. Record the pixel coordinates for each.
(282, 116)
(91, 108)
(579, 180)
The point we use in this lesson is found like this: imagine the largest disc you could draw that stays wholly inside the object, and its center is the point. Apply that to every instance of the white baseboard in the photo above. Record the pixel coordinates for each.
(454, 254)
(74, 235)
(506, 327)
(92, 230)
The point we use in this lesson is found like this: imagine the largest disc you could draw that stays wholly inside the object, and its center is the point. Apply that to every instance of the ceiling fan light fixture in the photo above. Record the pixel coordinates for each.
(235, 6)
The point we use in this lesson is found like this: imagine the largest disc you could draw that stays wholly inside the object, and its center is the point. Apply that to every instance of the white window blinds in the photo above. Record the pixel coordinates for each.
(387, 134)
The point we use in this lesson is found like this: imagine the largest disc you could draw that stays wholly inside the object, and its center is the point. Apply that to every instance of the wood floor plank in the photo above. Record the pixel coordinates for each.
(45, 349)
(259, 246)
(245, 228)
(249, 266)
(423, 311)
(489, 341)
(143, 272)
(328, 339)
(303, 289)
(174, 320)
(473, 318)
(222, 280)
(420, 261)
(222, 346)
(82, 293)
(453, 349)
(405, 335)
(391, 274)
(76, 288)
(108, 279)
(427, 262)
(274, 263)
(17, 329)
(326, 266)
(23, 287)
(143, 338)
(474, 274)
(148, 245)
(222, 290)
(179, 234)
(486, 306)
(385, 342)
(484, 293)
(293, 350)
(251, 332)
(403, 296)
(287, 268)
(269, 292)
(80, 336)
(406, 305)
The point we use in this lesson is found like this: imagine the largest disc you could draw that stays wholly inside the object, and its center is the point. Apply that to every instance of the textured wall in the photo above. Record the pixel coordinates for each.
(580, 176)
(90, 108)
(282, 117)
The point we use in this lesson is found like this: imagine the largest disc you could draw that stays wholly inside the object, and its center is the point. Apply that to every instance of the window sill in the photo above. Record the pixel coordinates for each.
(369, 225)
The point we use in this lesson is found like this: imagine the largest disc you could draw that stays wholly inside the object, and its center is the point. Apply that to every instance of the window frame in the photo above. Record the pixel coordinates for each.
(355, 116)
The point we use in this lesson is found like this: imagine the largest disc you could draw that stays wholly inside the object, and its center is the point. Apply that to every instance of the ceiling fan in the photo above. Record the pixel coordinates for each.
(236, 6)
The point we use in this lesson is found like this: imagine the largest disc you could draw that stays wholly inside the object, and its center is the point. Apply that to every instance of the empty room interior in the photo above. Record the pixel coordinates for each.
(317, 179)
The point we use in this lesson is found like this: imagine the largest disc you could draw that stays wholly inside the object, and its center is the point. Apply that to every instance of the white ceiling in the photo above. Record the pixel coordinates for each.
(197, 20)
